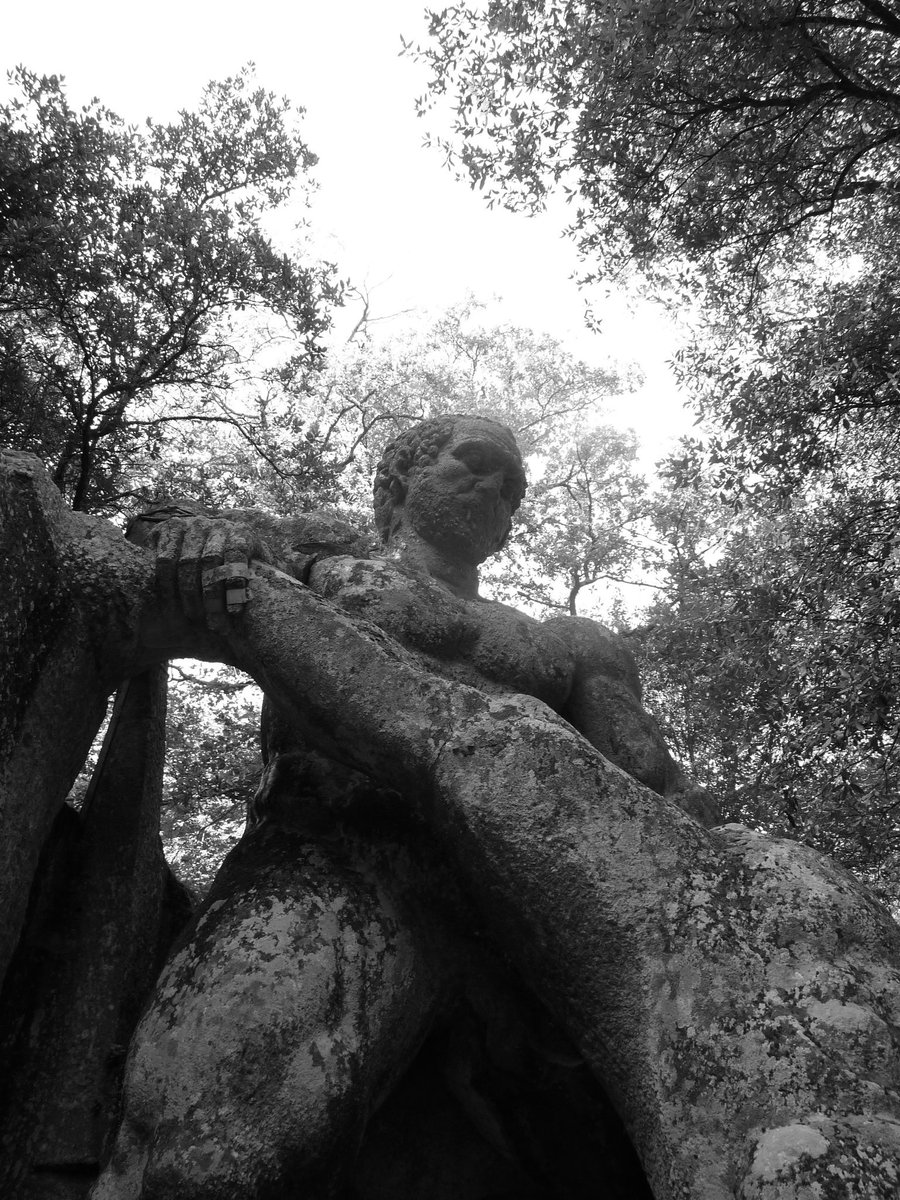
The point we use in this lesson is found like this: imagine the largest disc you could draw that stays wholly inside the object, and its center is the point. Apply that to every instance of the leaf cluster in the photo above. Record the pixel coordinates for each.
(699, 129)
(125, 255)
(212, 766)
(772, 658)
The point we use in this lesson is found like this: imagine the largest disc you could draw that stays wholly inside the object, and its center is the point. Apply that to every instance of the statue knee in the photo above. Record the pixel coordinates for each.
(275, 1028)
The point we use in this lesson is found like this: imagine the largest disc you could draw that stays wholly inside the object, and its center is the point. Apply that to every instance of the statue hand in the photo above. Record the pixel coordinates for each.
(202, 565)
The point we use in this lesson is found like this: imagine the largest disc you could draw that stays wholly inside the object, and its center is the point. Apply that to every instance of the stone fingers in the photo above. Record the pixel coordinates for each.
(239, 548)
(190, 569)
(168, 552)
(225, 570)
(204, 566)
(202, 572)
(212, 580)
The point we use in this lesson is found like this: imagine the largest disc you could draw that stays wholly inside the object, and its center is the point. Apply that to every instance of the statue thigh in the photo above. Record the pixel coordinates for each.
(289, 1009)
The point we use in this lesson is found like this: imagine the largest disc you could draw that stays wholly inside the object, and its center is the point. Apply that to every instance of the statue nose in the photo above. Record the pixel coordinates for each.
(491, 483)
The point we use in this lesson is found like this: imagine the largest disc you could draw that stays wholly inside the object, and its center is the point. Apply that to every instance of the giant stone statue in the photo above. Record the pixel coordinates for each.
(472, 870)
(337, 938)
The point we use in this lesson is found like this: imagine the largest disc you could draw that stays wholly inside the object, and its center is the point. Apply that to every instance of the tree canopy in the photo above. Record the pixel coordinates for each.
(701, 129)
(770, 654)
(126, 255)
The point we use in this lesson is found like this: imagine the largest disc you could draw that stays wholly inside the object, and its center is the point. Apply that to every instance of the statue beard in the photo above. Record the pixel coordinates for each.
(478, 528)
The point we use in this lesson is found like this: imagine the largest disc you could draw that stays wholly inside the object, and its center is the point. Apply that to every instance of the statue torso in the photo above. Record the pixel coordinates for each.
(478, 642)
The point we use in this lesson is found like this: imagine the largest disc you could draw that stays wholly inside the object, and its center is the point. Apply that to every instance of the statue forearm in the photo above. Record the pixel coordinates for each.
(628, 919)
(605, 706)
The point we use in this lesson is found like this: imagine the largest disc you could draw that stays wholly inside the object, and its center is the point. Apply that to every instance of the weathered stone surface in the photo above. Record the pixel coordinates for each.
(229, 1011)
(736, 996)
(60, 636)
(96, 938)
(355, 964)
(99, 908)
(693, 971)
(696, 972)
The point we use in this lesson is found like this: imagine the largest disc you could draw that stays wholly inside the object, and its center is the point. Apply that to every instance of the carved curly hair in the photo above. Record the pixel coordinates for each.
(415, 448)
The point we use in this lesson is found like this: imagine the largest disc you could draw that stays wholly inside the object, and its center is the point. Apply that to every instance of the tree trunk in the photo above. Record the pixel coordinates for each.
(738, 997)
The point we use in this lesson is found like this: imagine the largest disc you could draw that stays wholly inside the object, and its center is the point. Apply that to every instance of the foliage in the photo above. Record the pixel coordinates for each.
(212, 766)
(698, 128)
(579, 522)
(801, 725)
(457, 363)
(808, 383)
(582, 523)
(772, 658)
(135, 272)
(716, 144)
(752, 141)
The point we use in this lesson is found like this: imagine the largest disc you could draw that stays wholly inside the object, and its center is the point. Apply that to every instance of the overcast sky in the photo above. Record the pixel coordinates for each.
(387, 212)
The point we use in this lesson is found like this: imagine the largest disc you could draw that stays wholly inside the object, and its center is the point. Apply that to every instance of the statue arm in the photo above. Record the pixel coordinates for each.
(605, 706)
(202, 557)
(300, 541)
(296, 541)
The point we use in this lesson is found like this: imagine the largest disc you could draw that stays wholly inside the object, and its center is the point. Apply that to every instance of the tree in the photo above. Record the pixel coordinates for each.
(751, 142)
(212, 768)
(770, 655)
(579, 522)
(135, 273)
(720, 128)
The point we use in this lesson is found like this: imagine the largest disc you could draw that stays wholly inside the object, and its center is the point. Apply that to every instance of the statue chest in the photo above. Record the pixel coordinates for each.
(478, 642)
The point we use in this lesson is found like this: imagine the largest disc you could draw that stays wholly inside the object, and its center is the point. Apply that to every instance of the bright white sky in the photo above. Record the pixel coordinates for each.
(387, 212)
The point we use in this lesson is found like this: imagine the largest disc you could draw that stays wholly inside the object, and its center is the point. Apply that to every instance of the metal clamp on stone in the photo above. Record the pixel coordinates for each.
(234, 576)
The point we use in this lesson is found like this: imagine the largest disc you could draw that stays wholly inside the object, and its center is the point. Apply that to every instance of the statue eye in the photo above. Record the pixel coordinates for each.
(473, 458)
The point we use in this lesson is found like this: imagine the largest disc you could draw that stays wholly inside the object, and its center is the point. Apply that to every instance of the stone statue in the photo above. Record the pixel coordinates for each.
(371, 941)
(736, 996)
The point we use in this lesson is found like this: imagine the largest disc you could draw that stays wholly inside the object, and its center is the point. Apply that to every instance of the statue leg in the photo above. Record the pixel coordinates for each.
(299, 997)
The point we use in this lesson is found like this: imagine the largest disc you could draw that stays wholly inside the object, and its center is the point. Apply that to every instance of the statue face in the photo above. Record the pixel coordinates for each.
(462, 502)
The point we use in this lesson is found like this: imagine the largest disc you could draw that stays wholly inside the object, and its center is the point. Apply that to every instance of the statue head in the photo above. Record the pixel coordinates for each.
(454, 480)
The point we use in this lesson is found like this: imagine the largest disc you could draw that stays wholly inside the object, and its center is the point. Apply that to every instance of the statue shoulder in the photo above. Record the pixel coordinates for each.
(407, 604)
(597, 649)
